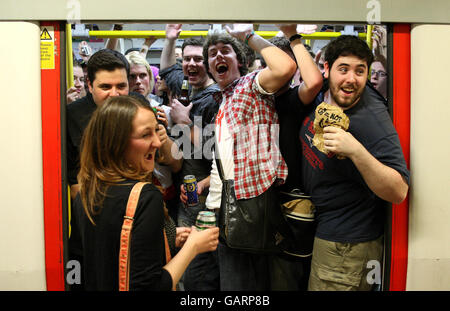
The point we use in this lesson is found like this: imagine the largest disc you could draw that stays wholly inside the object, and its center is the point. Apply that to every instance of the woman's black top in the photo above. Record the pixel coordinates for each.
(99, 243)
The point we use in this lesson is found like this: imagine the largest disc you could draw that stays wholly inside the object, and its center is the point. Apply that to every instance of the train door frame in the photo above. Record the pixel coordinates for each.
(53, 162)
(55, 176)
(399, 81)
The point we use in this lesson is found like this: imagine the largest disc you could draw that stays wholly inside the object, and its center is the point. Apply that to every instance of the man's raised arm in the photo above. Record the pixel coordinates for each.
(311, 76)
(168, 53)
(280, 66)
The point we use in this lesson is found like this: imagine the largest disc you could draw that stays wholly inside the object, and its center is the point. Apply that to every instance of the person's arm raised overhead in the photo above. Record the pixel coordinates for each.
(147, 44)
(111, 43)
(168, 53)
(280, 66)
(312, 78)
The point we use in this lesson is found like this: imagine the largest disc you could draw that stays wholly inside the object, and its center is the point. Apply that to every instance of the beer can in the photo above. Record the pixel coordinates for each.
(190, 185)
(205, 220)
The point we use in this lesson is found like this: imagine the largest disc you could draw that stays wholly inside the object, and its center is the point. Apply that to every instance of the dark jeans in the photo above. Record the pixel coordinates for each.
(202, 274)
(241, 271)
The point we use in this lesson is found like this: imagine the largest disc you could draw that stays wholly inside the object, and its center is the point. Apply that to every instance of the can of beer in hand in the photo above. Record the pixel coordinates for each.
(190, 185)
(205, 220)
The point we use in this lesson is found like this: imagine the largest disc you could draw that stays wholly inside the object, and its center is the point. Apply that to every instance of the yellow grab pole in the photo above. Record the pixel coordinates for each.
(69, 57)
(369, 43)
(161, 34)
(69, 81)
(314, 36)
(369, 36)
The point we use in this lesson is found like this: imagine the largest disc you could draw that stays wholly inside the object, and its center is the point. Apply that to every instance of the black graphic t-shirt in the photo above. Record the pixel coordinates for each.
(346, 209)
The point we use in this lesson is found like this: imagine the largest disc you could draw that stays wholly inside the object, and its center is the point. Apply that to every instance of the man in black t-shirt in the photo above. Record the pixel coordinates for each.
(192, 121)
(108, 72)
(291, 104)
(350, 194)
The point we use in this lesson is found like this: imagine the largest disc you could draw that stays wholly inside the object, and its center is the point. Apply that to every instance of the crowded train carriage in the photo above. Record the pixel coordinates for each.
(44, 75)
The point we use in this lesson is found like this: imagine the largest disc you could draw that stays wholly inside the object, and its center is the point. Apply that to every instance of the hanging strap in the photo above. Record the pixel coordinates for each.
(217, 159)
(125, 237)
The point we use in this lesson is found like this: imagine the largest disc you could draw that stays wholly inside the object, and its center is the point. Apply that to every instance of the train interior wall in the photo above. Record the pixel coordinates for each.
(22, 260)
(429, 206)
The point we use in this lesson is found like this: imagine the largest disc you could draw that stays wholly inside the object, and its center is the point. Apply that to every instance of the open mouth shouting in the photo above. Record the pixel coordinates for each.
(192, 73)
(150, 156)
(193, 77)
(221, 69)
(149, 161)
(223, 64)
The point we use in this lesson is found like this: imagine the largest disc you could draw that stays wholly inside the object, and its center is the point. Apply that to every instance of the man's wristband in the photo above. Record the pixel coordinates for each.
(248, 36)
(295, 37)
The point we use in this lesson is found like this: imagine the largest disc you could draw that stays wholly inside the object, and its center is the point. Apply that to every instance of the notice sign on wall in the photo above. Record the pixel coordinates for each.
(47, 47)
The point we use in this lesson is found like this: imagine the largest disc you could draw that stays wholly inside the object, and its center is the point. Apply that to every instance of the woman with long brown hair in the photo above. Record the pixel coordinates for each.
(118, 150)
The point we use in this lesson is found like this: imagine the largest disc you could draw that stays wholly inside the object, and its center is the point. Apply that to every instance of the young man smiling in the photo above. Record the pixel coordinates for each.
(108, 72)
(350, 194)
(252, 163)
(203, 272)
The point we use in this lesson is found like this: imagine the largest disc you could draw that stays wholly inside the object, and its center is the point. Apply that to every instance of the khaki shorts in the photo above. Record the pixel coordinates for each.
(343, 266)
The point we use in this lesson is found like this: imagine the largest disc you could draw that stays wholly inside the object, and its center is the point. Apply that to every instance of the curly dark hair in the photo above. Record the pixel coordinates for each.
(346, 45)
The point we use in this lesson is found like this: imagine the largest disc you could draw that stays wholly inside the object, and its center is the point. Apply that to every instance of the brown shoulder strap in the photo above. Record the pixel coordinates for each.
(166, 244)
(125, 236)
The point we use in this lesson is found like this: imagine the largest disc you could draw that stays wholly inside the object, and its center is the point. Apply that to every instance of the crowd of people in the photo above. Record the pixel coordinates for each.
(246, 134)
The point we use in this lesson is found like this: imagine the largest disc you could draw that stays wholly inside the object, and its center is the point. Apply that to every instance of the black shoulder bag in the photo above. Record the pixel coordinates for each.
(249, 224)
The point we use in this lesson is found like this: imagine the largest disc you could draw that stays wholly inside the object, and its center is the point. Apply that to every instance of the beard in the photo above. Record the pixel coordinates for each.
(343, 101)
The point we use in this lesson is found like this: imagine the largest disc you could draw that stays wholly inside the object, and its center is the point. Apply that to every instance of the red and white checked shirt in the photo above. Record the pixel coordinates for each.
(253, 124)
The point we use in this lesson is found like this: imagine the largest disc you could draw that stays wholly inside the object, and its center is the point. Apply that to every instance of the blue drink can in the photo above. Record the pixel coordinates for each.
(190, 185)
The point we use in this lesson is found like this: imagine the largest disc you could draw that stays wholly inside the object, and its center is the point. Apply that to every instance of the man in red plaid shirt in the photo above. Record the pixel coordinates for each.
(246, 132)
